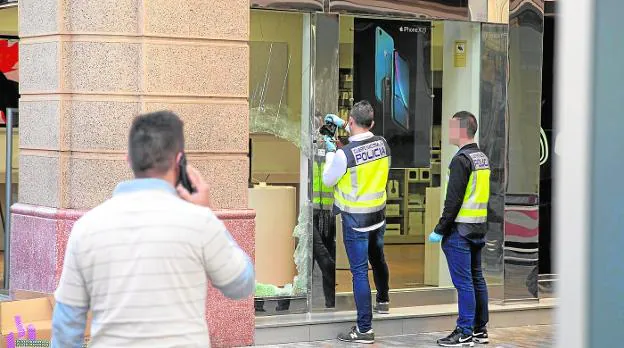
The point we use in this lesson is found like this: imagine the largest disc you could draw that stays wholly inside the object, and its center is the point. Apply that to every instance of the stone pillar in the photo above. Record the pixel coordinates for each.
(88, 67)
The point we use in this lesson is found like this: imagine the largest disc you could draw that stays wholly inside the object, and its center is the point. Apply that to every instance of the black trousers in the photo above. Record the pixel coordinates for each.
(324, 252)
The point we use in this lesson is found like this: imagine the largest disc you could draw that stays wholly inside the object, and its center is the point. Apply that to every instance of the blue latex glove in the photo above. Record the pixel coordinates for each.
(330, 146)
(335, 120)
(435, 238)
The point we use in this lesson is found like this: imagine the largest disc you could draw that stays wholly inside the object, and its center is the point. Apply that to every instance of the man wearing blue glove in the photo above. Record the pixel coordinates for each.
(359, 172)
(462, 230)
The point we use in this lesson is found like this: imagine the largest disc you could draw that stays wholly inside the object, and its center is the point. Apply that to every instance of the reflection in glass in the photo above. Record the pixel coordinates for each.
(324, 231)
(387, 62)
(449, 9)
(525, 90)
(521, 249)
(325, 37)
(492, 139)
(324, 236)
(300, 5)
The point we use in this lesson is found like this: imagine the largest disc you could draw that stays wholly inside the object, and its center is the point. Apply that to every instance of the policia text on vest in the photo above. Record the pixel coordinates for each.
(474, 207)
(362, 189)
(468, 182)
(369, 152)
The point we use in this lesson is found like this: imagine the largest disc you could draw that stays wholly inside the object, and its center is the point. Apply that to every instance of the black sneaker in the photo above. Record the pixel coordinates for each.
(457, 339)
(382, 308)
(355, 336)
(480, 336)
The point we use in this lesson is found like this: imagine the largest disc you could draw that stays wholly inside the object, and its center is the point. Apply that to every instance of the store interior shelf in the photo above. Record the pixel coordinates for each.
(404, 239)
(345, 96)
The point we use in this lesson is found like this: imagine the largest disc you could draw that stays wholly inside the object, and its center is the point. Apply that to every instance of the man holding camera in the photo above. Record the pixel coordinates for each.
(359, 172)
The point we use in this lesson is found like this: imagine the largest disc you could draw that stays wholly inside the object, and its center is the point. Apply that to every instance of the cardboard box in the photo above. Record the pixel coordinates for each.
(436, 168)
(393, 210)
(26, 320)
(416, 200)
(413, 175)
(416, 224)
(393, 229)
(276, 218)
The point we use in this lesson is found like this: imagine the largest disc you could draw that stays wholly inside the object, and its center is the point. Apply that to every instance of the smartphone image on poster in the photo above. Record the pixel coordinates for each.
(384, 49)
(401, 100)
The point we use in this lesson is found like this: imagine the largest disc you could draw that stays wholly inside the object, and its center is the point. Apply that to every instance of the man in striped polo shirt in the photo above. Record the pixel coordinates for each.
(141, 261)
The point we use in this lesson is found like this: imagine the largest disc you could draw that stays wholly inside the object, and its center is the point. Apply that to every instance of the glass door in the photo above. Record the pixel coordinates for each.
(279, 103)
(416, 75)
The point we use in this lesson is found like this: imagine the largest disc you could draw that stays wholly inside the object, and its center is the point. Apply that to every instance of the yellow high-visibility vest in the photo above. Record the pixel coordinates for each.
(362, 189)
(477, 196)
(322, 196)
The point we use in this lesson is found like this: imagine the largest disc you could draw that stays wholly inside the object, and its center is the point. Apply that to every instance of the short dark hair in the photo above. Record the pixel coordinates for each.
(154, 141)
(363, 114)
(467, 121)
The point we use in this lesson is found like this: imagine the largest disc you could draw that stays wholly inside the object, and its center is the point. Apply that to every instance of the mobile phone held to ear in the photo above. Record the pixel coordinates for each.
(184, 178)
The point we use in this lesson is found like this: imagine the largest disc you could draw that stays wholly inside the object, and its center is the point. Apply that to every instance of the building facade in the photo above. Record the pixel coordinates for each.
(251, 81)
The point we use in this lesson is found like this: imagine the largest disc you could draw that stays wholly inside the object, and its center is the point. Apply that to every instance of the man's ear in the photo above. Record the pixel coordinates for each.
(179, 158)
(372, 125)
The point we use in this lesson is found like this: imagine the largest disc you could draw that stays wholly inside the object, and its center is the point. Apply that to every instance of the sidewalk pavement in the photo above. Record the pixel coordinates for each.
(539, 336)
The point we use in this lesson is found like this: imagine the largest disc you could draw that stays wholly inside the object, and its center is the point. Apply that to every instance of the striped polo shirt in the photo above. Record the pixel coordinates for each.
(141, 263)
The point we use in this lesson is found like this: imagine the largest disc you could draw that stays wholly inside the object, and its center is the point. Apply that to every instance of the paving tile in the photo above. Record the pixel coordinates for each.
(536, 336)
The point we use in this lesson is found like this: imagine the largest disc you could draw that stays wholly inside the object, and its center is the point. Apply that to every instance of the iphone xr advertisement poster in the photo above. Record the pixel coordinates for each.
(392, 71)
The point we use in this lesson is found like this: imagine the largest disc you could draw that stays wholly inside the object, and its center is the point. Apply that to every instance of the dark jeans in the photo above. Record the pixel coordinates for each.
(361, 248)
(324, 252)
(464, 261)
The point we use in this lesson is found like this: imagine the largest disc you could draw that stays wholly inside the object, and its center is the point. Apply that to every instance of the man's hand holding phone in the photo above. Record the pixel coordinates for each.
(201, 196)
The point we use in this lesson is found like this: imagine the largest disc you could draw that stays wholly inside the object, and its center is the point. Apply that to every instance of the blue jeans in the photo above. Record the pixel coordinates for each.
(464, 261)
(361, 248)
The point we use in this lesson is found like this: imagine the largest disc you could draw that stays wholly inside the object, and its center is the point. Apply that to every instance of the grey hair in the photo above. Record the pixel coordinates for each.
(363, 114)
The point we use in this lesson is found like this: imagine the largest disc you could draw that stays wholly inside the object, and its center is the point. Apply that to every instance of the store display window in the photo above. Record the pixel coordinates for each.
(277, 181)
(416, 74)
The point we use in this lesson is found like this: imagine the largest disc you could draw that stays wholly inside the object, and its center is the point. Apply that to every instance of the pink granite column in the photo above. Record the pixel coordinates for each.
(86, 68)
(38, 247)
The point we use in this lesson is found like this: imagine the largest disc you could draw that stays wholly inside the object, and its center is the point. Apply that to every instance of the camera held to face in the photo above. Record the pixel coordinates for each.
(328, 129)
